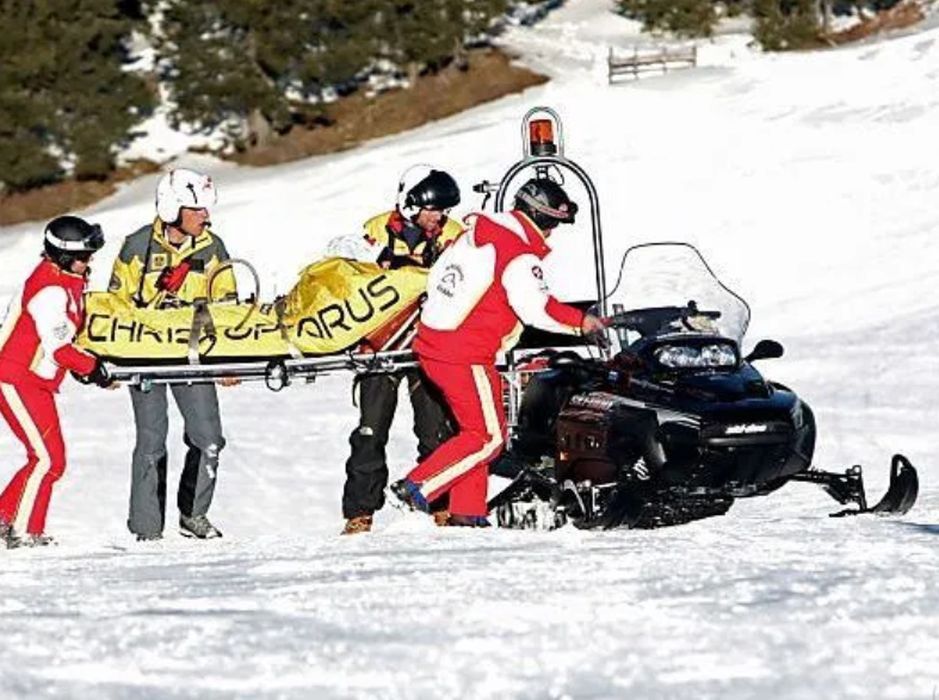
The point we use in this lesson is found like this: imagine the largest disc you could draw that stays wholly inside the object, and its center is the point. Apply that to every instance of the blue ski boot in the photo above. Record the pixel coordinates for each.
(409, 494)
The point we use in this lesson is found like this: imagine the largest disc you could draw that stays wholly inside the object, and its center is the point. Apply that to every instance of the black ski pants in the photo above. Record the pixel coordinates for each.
(366, 468)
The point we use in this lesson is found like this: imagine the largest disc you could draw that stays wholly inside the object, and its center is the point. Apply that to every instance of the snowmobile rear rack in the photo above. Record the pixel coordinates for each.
(849, 488)
(542, 134)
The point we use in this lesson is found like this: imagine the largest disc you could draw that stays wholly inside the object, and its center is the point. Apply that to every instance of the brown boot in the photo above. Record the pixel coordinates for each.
(360, 523)
(441, 517)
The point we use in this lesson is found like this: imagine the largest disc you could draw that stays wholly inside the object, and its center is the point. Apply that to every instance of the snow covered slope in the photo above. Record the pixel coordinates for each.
(808, 181)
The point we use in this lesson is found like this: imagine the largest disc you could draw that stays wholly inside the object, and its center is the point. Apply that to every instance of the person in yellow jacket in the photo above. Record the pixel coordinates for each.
(168, 264)
(415, 232)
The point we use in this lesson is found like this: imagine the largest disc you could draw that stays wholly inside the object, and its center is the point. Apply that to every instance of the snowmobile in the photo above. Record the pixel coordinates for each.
(675, 425)
(671, 423)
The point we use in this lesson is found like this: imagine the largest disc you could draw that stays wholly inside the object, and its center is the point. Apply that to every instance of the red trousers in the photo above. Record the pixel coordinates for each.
(31, 414)
(460, 466)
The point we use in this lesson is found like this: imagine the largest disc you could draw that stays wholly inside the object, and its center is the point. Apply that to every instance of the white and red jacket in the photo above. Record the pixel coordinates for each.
(484, 287)
(41, 322)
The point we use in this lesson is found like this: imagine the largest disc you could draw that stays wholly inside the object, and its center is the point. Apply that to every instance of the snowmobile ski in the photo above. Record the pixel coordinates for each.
(849, 488)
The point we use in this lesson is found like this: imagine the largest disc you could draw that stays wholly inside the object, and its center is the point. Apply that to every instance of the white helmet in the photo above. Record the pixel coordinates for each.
(183, 188)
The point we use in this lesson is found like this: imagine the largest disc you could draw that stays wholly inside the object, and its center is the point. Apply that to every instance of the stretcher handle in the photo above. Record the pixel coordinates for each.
(229, 265)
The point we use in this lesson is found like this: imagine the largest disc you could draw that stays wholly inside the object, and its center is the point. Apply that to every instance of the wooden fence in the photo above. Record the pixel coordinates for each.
(648, 61)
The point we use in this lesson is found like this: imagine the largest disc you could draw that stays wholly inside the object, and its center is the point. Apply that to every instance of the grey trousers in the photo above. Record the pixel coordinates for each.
(198, 404)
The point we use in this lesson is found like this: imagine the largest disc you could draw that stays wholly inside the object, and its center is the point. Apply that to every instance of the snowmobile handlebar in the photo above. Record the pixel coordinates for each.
(570, 360)
(648, 321)
(486, 187)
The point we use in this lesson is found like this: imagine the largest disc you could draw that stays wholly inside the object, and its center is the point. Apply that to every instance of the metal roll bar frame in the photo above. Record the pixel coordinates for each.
(541, 156)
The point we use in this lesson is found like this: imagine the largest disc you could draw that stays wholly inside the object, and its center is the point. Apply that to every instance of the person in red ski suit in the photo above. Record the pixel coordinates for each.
(480, 293)
(36, 349)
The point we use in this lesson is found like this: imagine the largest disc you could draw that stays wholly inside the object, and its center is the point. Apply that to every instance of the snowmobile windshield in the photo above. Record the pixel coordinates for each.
(671, 289)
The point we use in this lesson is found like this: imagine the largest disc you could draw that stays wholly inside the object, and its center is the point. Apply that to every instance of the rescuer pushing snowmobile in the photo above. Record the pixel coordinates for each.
(480, 293)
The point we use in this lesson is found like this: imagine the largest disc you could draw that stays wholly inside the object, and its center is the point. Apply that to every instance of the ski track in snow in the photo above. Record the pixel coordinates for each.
(810, 183)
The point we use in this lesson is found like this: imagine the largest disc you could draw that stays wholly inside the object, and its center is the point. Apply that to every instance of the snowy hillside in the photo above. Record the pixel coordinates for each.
(810, 183)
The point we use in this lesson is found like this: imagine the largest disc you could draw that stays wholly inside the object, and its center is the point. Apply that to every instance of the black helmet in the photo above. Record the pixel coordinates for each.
(545, 202)
(423, 187)
(68, 238)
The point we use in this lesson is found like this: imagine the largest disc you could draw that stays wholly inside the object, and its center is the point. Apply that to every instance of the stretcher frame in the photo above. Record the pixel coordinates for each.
(275, 373)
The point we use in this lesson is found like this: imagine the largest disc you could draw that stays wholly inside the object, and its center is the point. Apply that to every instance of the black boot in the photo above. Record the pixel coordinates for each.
(467, 521)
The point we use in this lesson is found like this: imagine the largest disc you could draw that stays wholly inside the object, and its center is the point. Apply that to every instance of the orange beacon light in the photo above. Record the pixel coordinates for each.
(541, 137)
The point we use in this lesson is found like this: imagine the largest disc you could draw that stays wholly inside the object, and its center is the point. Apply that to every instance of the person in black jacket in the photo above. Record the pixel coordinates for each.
(415, 232)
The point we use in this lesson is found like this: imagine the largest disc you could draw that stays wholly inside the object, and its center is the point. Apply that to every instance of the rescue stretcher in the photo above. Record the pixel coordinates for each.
(341, 316)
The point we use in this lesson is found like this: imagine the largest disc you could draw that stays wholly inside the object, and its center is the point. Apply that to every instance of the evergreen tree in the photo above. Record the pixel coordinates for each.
(427, 34)
(248, 65)
(688, 18)
(479, 15)
(63, 93)
(98, 101)
(25, 117)
(421, 33)
(220, 69)
(479, 18)
(787, 24)
(340, 41)
(251, 67)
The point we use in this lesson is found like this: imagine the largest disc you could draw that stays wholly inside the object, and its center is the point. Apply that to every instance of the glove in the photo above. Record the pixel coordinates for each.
(399, 261)
(594, 328)
(99, 375)
(172, 278)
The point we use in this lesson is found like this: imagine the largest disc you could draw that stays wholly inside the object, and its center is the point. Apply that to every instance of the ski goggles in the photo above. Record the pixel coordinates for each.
(89, 243)
(566, 212)
(442, 210)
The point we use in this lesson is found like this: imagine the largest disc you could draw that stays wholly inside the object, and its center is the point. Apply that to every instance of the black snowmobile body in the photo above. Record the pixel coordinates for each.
(646, 448)
(674, 427)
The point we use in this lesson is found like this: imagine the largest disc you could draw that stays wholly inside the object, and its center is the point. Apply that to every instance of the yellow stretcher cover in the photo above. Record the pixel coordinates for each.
(336, 304)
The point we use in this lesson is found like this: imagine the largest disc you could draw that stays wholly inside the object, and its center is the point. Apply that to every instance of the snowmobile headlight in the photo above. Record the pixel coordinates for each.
(696, 356)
